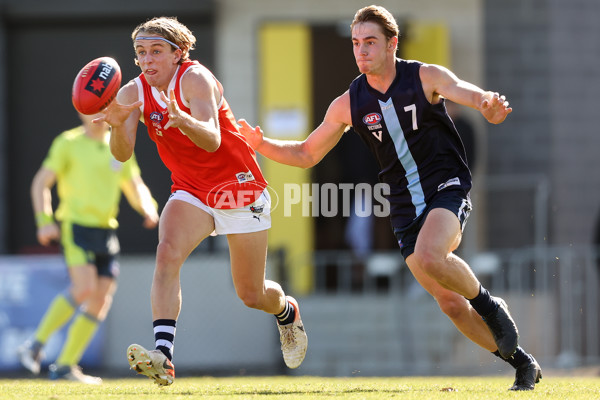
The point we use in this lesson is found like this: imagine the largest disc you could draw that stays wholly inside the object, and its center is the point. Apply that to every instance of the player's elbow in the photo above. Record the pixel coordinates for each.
(38, 181)
(121, 156)
(213, 145)
(307, 157)
(308, 162)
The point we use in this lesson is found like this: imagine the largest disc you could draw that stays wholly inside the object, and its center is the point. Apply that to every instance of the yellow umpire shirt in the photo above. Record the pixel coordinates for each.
(88, 179)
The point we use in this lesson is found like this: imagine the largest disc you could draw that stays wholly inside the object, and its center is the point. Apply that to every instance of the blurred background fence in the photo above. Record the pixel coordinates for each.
(368, 318)
(375, 318)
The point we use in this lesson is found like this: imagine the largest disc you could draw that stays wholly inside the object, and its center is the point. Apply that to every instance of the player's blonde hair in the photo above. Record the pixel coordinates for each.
(170, 29)
(381, 17)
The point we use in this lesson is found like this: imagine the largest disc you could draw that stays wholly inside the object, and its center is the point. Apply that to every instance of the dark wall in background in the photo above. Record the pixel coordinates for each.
(544, 56)
(45, 51)
(350, 161)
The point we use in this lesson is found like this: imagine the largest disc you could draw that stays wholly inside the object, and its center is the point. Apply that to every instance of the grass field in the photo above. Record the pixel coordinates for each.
(290, 388)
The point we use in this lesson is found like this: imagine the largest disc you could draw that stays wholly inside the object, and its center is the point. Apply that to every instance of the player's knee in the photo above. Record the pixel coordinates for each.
(453, 305)
(167, 256)
(429, 261)
(83, 292)
(250, 298)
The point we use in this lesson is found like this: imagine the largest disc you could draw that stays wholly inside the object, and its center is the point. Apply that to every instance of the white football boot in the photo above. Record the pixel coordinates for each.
(293, 339)
(31, 356)
(152, 363)
(72, 373)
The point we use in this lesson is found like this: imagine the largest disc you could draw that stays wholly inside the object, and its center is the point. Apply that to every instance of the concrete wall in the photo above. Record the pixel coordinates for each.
(397, 331)
(401, 334)
(544, 55)
(215, 331)
(575, 136)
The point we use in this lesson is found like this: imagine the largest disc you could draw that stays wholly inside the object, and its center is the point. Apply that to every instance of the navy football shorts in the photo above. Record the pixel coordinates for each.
(95, 246)
(454, 200)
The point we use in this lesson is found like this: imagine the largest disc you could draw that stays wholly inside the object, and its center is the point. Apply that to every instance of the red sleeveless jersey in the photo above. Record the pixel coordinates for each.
(227, 178)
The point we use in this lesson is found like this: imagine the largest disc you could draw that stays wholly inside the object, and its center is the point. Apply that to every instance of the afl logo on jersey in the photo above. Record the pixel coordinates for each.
(372, 119)
(156, 116)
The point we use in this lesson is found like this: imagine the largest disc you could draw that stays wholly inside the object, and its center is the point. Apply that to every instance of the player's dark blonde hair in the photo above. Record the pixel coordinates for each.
(172, 30)
(381, 17)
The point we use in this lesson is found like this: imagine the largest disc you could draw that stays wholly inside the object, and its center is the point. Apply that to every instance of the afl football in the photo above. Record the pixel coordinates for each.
(96, 85)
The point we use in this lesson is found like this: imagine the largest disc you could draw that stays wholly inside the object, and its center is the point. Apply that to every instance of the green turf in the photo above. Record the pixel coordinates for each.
(290, 388)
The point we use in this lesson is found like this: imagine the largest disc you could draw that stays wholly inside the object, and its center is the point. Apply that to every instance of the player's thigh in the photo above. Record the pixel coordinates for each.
(84, 279)
(107, 286)
(248, 253)
(183, 226)
(440, 234)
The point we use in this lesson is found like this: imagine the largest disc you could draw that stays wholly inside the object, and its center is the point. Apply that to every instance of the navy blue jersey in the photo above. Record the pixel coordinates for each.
(415, 142)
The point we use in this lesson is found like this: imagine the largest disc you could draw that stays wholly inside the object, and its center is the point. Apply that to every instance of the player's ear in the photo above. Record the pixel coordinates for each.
(177, 54)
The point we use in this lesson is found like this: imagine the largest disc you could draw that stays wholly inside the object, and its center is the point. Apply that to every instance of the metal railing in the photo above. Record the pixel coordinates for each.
(552, 292)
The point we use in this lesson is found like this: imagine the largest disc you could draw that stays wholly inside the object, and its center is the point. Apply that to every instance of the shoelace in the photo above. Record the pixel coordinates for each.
(287, 336)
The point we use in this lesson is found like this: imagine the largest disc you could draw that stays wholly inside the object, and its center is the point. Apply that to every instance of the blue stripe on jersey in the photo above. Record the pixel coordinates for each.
(404, 156)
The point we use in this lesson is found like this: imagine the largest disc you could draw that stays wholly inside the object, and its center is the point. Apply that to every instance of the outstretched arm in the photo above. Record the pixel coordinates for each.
(123, 115)
(138, 196)
(439, 81)
(308, 152)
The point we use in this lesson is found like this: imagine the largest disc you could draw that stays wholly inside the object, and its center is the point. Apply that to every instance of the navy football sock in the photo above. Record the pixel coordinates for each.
(517, 359)
(483, 303)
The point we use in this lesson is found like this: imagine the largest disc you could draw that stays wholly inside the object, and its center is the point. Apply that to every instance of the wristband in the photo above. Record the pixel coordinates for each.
(42, 219)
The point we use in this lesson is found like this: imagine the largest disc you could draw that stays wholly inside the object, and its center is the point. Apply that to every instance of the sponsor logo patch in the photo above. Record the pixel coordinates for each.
(449, 182)
(372, 119)
(244, 177)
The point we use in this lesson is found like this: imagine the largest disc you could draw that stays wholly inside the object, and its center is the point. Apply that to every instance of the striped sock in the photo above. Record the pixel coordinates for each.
(287, 315)
(164, 336)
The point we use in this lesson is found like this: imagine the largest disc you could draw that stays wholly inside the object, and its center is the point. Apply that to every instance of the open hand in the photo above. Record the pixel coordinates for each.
(116, 114)
(150, 221)
(253, 135)
(175, 113)
(495, 108)
(48, 234)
